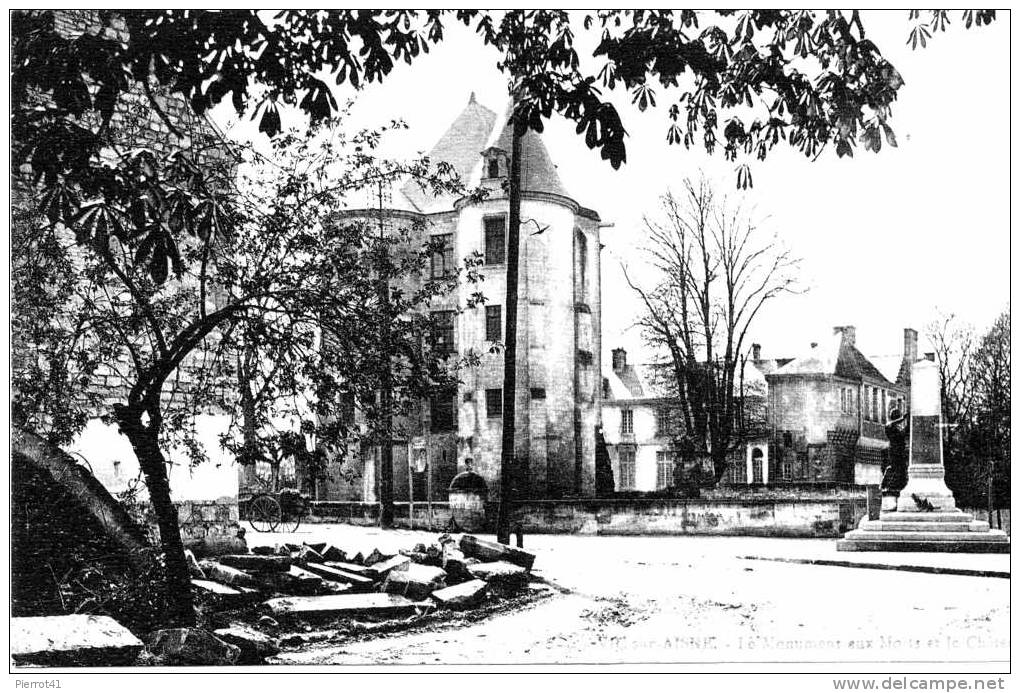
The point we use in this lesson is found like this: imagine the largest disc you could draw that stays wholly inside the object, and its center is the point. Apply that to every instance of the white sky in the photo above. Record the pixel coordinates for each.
(885, 239)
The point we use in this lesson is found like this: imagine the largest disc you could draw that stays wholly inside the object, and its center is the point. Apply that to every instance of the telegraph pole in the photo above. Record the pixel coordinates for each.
(508, 460)
(385, 472)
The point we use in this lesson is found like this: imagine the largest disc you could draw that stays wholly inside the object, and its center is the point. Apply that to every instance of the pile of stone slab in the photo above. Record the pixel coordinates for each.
(304, 583)
(253, 599)
(447, 574)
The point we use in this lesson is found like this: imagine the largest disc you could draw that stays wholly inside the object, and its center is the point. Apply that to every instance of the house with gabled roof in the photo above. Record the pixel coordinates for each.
(827, 411)
(641, 420)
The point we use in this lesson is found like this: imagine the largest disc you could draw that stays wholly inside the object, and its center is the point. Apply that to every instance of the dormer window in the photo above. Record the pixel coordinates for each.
(493, 158)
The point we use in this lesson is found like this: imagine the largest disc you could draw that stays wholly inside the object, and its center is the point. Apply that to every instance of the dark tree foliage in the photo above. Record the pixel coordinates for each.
(284, 281)
(742, 80)
(975, 374)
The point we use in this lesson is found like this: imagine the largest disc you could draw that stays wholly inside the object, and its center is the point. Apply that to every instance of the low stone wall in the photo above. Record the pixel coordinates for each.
(198, 519)
(817, 517)
(734, 517)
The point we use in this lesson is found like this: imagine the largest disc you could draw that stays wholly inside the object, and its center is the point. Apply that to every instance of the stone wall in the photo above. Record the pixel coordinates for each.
(814, 517)
(198, 519)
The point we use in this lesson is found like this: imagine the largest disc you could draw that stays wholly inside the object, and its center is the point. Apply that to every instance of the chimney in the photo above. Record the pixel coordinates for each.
(756, 352)
(909, 345)
(929, 356)
(849, 333)
(619, 359)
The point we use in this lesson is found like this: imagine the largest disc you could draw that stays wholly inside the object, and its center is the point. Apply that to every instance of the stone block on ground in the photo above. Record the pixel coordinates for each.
(414, 580)
(308, 554)
(358, 581)
(194, 569)
(505, 578)
(317, 547)
(352, 568)
(381, 568)
(192, 646)
(226, 574)
(466, 595)
(332, 553)
(335, 605)
(455, 565)
(334, 587)
(375, 557)
(223, 596)
(253, 563)
(265, 550)
(327, 573)
(217, 545)
(295, 580)
(255, 646)
(72, 640)
(488, 551)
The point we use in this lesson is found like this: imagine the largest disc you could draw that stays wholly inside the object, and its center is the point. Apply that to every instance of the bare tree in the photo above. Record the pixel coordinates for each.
(953, 342)
(714, 276)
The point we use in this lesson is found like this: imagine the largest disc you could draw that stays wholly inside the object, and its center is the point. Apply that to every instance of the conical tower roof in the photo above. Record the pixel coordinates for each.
(460, 147)
(476, 130)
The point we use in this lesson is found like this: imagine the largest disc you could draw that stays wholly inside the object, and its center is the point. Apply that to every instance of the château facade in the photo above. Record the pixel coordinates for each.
(559, 326)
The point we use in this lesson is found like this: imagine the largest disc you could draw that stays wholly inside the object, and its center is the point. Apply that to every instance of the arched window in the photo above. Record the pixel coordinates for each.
(582, 264)
(757, 466)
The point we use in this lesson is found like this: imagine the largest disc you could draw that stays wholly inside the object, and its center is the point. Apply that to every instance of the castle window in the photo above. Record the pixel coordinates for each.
(885, 417)
(493, 323)
(627, 470)
(443, 410)
(584, 357)
(663, 423)
(443, 331)
(492, 167)
(874, 404)
(663, 469)
(443, 264)
(538, 393)
(627, 421)
(494, 403)
(582, 263)
(495, 240)
(787, 439)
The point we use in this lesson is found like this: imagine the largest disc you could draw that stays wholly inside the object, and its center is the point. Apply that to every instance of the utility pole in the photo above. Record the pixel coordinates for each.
(508, 460)
(385, 474)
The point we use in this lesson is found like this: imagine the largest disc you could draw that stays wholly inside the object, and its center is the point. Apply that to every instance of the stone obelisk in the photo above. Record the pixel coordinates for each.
(926, 517)
(926, 471)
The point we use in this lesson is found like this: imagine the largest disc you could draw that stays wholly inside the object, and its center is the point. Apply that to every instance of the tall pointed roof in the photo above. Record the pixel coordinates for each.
(460, 147)
(475, 130)
(538, 172)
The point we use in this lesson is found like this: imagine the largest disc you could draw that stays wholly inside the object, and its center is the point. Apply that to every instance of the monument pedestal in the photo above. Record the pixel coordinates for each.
(925, 516)
(937, 531)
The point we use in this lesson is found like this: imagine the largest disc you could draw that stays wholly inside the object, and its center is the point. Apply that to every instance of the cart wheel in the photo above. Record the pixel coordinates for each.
(290, 523)
(264, 513)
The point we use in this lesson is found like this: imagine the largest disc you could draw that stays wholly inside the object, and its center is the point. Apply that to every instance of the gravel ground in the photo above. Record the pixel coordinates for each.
(697, 600)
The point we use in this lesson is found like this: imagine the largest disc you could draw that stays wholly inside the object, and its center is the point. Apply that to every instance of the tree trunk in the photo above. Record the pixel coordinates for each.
(145, 443)
(508, 467)
(248, 427)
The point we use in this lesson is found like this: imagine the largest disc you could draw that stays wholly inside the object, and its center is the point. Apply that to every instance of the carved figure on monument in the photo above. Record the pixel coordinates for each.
(925, 517)
(894, 472)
